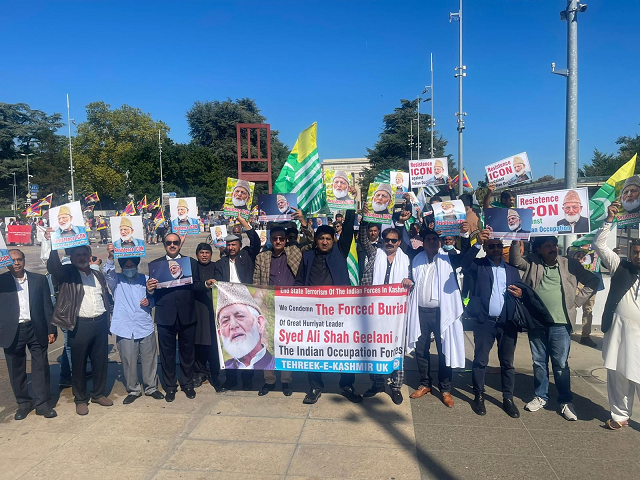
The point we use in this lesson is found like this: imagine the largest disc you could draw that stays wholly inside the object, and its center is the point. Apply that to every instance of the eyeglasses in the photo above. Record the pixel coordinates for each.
(391, 240)
(277, 239)
(168, 243)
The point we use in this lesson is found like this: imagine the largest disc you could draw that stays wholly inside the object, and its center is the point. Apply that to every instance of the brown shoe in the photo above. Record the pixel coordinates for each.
(82, 408)
(447, 399)
(104, 401)
(420, 392)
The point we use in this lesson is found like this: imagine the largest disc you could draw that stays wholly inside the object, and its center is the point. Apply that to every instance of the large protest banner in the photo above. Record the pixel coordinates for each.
(171, 273)
(428, 171)
(510, 171)
(337, 183)
(628, 194)
(128, 236)
(559, 212)
(5, 258)
(184, 217)
(380, 202)
(311, 329)
(68, 227)
(238, 198)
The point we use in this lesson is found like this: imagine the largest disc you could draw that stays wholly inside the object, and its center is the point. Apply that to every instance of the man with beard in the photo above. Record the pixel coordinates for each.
(341, 185)
(514, 222)
(621, 346)
(630, 197)
(183, 220)
(126, 235)
(218, 240)
(242, 326)
(555, 280)
(400, 183)
(438, 174)
(240, 194)
(372, 230)
(284, 208)
(388, 265)
(327, 265)
(448, 211)
(175, 317)
(381, 199)
(237, 266)
(520, 171)
(572, 206)
(279, 267)
(206, 343)
(65, 226)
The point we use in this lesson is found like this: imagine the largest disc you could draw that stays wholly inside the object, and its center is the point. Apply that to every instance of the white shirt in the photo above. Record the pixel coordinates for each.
(254, 360)
(92, 303)
(233, 273)
(23, 299)
(424, 293)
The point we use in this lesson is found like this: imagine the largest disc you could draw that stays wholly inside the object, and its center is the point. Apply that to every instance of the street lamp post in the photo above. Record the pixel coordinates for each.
(73, 189)
(419, 99)
(461, 69)
(15, 200)
(28, 179)
(161, 179)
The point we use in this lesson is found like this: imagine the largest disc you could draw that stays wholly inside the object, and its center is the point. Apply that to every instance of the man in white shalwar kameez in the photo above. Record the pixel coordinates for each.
(621, 325)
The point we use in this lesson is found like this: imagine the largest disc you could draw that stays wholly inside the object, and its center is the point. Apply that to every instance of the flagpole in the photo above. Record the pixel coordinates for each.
(73, 190)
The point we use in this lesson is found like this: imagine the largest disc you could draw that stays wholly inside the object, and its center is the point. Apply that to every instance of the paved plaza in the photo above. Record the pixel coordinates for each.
(238, 435)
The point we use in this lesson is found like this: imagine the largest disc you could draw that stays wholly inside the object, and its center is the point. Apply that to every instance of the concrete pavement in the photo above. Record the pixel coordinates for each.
(240, 435)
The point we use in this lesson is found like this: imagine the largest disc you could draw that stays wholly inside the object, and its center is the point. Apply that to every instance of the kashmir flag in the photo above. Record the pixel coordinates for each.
(604, 197)
(142, 204)
(301, 174)
(352, 263)
(46, 200)
(465, 180)
(154, 205)
(129, 209)
(159, 218)
(92, 198)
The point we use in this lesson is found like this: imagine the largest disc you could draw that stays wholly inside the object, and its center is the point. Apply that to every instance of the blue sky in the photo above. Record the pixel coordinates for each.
(342, 64)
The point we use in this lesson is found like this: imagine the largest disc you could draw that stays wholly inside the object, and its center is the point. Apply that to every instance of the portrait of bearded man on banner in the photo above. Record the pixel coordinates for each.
(183, 215)
(381, 199)
(126, 235)
(572, 207)
(630, 197)
(66, 228)
(240, 194)
(241, 326)
(341, 185)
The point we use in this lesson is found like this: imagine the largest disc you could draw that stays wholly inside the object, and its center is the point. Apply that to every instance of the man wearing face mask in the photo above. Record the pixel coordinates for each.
(133, 326)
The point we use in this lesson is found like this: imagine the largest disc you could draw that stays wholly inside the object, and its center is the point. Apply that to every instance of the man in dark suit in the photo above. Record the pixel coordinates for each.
(237, 266)
(175, 316)
(493, 280)
(26, 323)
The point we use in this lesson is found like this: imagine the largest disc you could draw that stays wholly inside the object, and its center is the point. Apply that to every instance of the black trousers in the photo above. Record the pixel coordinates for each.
(207, 354)
(484, 336)
(430, 323)
(186, 350)
(315, 380)
(90, 339)
(16, 357)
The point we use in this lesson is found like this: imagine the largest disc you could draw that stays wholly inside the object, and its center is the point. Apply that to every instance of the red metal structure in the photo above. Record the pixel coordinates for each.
(258, 128)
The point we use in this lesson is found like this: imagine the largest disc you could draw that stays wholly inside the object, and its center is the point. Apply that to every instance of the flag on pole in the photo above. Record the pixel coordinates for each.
(301, 174)
(159, 218)
(46, 200)
(92, 198)
(352, 262)
(465, 180)
(604, 197)
(89, 208)
(154, 205)
(129, 209)
(142, 204)
(33, 210)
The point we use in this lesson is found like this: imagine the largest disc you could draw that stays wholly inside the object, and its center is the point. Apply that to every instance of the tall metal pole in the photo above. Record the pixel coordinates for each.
(411, 139)
(431, 119)
(161, 178)
(73, 189)
(418, 127)
(570, 14)
(461, 73)
(15, 200)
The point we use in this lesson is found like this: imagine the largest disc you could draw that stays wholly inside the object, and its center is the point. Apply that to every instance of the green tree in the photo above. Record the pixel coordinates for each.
(606, 164)
(101, 144)
(392, 150)
(213, 125)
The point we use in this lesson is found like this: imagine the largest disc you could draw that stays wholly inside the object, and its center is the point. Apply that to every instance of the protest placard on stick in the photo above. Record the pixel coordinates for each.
(380, 202)
(559, 212)
(68, 227)
(428, 171)
(510, 171)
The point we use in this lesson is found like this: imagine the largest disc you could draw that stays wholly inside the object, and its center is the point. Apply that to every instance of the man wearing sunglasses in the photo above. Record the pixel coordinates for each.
(279, 266)
(493, 279)
(175, 316)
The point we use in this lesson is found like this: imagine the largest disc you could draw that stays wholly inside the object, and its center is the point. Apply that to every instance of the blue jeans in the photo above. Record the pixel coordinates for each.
(65, 364)
(551, 342)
